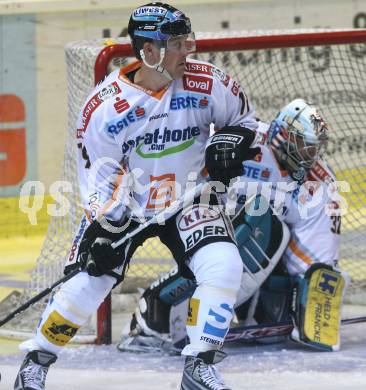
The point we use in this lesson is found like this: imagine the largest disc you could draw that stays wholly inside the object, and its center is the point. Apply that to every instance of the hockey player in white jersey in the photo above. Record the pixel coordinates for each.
(301, 188)
(141, 138)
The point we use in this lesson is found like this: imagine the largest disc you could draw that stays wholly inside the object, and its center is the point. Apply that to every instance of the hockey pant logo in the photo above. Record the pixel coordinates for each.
(199, 222)
(58, 330)
(217, 324)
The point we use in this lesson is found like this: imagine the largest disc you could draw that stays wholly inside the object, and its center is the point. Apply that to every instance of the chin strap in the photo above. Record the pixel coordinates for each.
(160, 69)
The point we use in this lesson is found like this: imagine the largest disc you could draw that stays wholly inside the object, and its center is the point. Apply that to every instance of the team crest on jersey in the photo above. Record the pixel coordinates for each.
(197, 84)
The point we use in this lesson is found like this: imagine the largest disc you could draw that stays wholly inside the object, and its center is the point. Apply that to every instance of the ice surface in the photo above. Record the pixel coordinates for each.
(281, 366)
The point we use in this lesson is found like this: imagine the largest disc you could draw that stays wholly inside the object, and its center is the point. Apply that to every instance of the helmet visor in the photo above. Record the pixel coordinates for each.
(177, 27)
(186, 42)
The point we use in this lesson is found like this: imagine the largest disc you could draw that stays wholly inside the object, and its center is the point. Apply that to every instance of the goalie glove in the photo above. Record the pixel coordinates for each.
(96, 255)
(226, 150)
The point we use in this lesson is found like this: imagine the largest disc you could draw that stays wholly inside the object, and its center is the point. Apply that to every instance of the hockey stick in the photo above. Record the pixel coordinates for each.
(37, 297)
(170, 211)
(176, 205)
(272, 329)
(355, 320)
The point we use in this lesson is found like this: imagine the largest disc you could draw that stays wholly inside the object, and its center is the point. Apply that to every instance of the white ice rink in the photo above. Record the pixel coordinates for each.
(275, 367)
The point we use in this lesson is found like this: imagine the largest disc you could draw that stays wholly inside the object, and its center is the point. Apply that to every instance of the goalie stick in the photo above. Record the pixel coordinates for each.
(272, 329)
(159, 217)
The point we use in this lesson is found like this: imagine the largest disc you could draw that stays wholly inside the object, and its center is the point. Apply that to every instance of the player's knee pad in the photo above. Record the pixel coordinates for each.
(262, 239)
(218, 265)
(317, 302)
(82, 295)
(70, 308)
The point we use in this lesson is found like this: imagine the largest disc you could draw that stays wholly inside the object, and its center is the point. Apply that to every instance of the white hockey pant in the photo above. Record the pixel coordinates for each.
(69, 309)
(218, 269)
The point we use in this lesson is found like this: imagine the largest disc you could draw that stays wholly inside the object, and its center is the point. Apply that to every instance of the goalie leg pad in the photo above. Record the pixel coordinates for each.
(317, 303)
(158, 323)
(155, 303)
(262, 239)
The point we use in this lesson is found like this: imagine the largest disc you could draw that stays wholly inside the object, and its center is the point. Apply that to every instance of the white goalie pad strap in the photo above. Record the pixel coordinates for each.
(177, 322)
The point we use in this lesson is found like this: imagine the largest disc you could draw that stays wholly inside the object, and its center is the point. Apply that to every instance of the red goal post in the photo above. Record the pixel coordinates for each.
(239, 43)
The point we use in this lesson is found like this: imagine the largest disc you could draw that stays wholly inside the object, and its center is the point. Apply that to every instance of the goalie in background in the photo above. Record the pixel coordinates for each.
(289, 253)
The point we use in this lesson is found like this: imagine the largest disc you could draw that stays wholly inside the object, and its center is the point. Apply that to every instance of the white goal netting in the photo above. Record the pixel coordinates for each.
(332, 76)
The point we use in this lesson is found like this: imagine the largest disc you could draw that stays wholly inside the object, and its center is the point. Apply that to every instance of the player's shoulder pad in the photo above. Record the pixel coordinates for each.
(107, 87)
(204, 69)
(321, 172)
(102, 92)
(261, 133)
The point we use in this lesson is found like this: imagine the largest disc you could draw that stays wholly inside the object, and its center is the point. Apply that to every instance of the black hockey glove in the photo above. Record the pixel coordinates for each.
(96, 254)
(226, 150)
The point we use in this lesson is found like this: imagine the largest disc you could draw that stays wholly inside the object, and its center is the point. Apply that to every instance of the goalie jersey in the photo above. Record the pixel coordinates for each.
(310, 209)
(160, 136)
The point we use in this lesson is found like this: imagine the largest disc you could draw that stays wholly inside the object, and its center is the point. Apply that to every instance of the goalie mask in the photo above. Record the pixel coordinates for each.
(297, 137)
(164, 25)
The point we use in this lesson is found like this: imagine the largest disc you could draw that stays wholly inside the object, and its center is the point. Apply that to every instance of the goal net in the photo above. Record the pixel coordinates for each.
(326, 68)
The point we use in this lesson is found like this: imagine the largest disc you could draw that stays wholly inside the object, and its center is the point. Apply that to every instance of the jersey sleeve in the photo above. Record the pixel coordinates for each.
(232, 106)
(99, 158)
(315, 236)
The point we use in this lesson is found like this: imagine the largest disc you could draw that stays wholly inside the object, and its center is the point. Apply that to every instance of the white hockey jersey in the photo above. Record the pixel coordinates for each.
(311, 210)
(160, 136)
